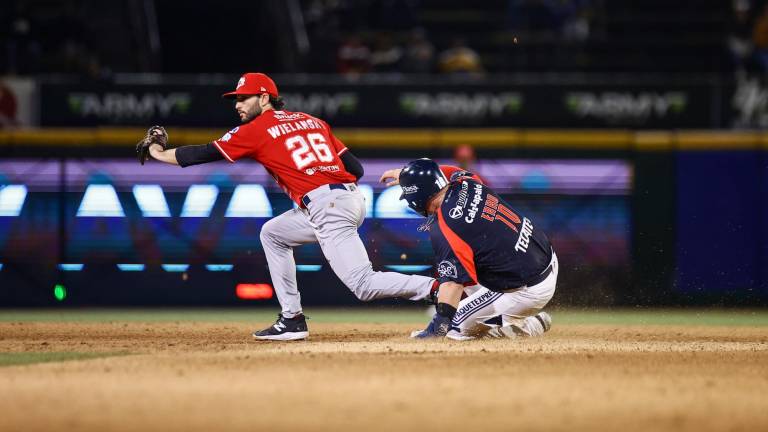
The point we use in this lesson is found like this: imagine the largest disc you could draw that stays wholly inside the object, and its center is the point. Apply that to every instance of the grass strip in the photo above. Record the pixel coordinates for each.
(26, 358)
(693, 317)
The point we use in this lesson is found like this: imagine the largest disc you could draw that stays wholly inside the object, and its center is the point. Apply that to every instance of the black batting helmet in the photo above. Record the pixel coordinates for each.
(421, 180)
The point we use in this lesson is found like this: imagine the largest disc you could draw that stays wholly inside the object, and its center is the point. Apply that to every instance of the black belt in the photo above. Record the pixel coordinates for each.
(305, 199)
(539, 278)
(534, 280)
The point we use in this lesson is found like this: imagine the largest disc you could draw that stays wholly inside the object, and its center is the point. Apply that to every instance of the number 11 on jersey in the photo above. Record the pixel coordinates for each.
(495, 211)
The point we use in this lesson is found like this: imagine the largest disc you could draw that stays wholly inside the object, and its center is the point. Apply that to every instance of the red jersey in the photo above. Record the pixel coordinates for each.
(298, 150)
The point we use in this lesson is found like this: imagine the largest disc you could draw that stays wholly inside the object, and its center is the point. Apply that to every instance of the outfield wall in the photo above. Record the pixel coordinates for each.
(693, 213)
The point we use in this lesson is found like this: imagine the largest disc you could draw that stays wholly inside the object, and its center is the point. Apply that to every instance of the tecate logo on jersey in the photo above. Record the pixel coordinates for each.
(407, 190)
(447, 269)
(525, 236)
(473, 209)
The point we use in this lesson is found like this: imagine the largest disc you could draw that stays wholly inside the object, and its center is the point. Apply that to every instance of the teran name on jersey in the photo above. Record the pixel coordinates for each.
(286, 128)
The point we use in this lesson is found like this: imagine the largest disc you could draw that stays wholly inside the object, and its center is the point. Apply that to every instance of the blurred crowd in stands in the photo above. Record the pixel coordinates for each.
(47, 40)
(80, 37)
(391, 36)
(748, 37)
(353, 37)
(417, 55)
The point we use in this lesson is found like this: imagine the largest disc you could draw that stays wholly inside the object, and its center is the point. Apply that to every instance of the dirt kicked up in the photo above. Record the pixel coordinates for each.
(182, 376)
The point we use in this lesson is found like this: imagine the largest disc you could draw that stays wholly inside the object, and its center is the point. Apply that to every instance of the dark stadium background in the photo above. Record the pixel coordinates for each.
(543, 92)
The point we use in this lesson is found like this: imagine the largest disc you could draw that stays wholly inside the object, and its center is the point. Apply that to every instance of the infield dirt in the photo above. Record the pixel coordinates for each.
(212, 376)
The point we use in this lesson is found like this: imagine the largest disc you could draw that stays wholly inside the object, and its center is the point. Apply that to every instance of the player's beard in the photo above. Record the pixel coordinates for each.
(252, 114)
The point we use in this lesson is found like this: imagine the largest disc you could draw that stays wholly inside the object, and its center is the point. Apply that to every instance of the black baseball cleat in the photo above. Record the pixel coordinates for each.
(285, 329)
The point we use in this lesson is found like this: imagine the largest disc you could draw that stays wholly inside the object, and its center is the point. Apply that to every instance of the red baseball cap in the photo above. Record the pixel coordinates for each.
(253, 83)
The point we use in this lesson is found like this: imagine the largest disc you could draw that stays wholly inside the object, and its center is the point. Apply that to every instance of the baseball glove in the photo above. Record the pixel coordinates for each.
(155, 135)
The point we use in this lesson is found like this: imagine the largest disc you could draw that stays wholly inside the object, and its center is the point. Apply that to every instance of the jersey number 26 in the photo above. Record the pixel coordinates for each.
(303, 155)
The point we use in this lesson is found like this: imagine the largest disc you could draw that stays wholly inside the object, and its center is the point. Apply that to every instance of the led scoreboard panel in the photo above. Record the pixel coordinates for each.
(76, 215)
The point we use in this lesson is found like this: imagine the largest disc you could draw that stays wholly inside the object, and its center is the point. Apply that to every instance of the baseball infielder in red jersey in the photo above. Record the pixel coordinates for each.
(319, 173)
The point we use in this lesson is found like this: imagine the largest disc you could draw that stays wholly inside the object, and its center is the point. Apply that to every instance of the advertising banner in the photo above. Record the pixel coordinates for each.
(630, 106)
(480, 104)
(66, 105)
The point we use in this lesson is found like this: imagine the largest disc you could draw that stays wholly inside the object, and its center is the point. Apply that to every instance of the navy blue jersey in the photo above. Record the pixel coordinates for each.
(479, 238)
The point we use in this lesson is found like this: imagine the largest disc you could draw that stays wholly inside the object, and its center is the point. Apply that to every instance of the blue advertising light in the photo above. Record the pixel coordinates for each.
(131, 267)
(151, 200)
(389, 205)
(175, 268)
(200, 200)
(408, 268)
(219, 267)
(308, 267)
(249, 200)
(12, 199)
(100, 200)
(71, 267)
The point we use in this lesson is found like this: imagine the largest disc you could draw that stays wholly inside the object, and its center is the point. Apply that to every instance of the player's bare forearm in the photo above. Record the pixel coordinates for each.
(450, 293)
(167, 156)
(391, 177)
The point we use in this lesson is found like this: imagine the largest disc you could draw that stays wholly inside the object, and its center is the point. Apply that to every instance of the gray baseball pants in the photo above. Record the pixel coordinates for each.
(331, 219)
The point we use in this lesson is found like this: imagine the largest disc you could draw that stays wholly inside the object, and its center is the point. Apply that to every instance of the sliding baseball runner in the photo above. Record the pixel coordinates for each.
(485, 250)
